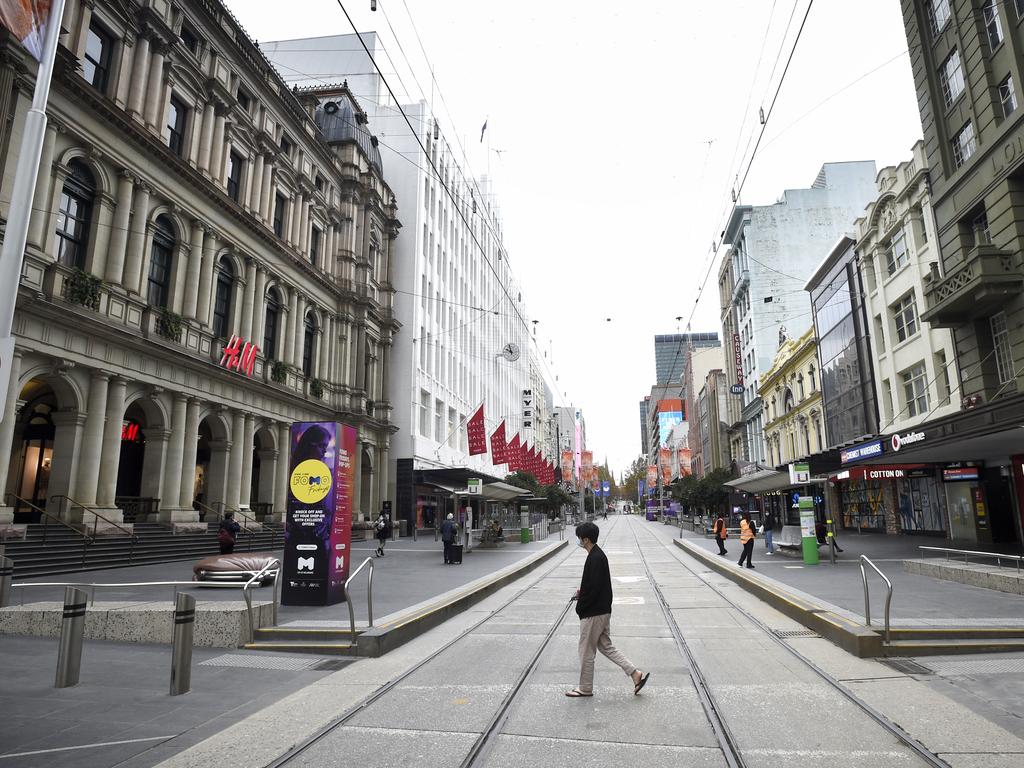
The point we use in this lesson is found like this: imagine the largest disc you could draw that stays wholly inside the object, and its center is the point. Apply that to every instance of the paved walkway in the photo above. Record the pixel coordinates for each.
(917, 600)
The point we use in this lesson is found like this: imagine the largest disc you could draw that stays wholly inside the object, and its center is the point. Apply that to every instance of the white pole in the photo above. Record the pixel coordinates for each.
(16, 233)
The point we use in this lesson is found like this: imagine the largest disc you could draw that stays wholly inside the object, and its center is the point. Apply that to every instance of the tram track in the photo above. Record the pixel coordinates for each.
(921, 751)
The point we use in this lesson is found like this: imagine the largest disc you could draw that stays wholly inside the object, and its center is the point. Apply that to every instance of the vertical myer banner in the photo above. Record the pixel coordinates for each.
(567, 476)
(477, 432)
(527, 408)
(498, 445)
(318, 532)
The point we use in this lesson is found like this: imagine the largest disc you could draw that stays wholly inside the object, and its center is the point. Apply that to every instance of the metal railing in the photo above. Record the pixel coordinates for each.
(275, 566)
(967, 553)
(867, 600)
(369, 597)
(46, 517)
(93, 586)
(64, 500)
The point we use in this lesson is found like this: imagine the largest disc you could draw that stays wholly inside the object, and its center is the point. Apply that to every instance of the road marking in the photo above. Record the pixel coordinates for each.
(86, 746)
(630, 579)
(792, 566)
(630, 600)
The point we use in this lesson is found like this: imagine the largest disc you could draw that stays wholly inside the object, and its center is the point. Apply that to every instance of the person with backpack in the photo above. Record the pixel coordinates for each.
(383, 532)
(227, 533)
(721, 534)
(747, 533)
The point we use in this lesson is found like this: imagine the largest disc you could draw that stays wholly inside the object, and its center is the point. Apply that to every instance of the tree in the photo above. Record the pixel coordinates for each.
(637, 471)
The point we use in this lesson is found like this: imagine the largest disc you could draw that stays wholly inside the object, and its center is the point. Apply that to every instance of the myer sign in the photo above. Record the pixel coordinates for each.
(898, 441)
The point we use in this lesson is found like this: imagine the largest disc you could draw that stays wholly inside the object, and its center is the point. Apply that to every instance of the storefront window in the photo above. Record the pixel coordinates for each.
(921, 510)
(862, 505)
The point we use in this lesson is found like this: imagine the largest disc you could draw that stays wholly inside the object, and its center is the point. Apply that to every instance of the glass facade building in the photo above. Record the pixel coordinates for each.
(670, 353)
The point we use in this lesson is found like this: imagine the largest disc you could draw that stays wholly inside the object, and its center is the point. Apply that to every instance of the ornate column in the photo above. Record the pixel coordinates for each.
(383, 457)
(259, 307)
(358, 513)
(324, 351)
(217, 147)
(195, 262)
(267, 190)
(99, 248)
(169, 500)
(330, 248)
(300, 330)
(81, 34)
(137, 240)
(257, 180)
(114, 272)
(281, 471)
(91, 451)
(206, 137)
(140, 68)
(297, 220)
(40, 218)
(304, 226)
(107, 489)
(234, 475)
(289, 333)
(63, 472)
(10, 416)
(186, 493)
(248, 297)
(245, 479)
(155, 86)
(204, 302)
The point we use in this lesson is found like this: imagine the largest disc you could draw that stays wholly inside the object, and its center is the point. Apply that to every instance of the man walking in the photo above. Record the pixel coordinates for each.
(769, 531)
(594, 607)
(448, 531)
(721, 534)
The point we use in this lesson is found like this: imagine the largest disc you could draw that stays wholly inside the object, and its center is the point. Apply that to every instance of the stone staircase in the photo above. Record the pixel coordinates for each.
(64, 551)
(327, 642)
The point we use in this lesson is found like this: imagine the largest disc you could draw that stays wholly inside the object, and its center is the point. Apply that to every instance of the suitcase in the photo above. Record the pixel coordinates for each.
(456, 554)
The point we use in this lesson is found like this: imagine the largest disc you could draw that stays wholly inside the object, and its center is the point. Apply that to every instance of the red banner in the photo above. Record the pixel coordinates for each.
(665, 462)
(498, 447)
(567, 474)
(652, 475)
(587, 468)
(685, 455)
(477, 432)
(524, 456)
(512, 454)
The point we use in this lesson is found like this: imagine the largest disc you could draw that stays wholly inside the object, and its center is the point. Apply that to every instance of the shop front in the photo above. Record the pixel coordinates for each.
(891, 498)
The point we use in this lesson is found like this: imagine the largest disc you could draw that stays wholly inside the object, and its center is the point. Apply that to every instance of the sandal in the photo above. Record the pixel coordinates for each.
(576, 693)
(641, 684)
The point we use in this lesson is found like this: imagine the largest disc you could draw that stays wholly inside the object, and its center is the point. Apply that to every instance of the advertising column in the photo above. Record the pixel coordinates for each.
(808, 535)
(318, 533)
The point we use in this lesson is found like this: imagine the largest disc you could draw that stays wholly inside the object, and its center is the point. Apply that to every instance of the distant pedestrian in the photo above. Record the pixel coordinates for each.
(769, 532)
(594, 607)
(747, 532)
(449, 531)
(821, 532)
(227, 533)
(383, 532)
(721, 534)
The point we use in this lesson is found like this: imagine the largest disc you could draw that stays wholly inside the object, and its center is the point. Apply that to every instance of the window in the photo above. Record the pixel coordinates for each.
(800, 385)
(190, 39)
(439, 434)
(222, 297)
(814, 383)
(424, 414)
(243, 99)
(938, 14)
(176, 126)
(887, 389)
(1018, 5)
(897, 255)
(308, 344)
(879, 334)
(74, 216)
(952, 78)
(314, 245)
(942, 377)
(915, 390)
(979, 228)
(1001, 347)
(279, 203)
(270, 324)
(99, 47)
(1007, 97)
(963, 145)
(234, 175)
(994, 30)
(904, 313)
(160, 258)
(286, 145)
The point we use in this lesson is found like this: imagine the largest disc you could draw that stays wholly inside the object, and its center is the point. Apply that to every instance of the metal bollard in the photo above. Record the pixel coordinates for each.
(181, 651)
(69, 656)
(6, 574)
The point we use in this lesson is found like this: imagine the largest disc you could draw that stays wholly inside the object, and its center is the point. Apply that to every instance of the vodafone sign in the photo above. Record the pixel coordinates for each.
(897, 441)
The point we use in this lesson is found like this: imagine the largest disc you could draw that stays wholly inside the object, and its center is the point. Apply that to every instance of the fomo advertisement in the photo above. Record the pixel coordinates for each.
(318, 532)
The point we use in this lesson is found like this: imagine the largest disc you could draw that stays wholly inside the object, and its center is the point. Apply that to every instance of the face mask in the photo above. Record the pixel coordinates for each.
(579, 542)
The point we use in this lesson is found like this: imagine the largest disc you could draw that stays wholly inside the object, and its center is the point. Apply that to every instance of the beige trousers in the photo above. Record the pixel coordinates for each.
(594, 637)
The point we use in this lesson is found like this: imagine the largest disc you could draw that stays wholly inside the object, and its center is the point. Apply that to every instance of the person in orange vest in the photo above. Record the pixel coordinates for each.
(747, 532)
(721, 534)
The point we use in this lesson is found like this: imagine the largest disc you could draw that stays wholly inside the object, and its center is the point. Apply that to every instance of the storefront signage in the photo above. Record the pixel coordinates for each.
(800, 474)
(897, 441)
(130, 432)
(861, 452)
(474, 485)
(736, 389)
(737, 356)
(888, 472)
(239, 356)
(318, 536)
(960, 474)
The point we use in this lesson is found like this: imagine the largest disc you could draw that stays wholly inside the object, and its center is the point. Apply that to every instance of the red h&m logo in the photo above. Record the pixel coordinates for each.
(239, 357)
(130, 432)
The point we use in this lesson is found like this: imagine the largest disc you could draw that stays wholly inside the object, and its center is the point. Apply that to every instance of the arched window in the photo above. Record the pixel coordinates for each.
(270, 324)
(75, 216)
(222, 297)
(800, 385)
(160, 259)
(788, 406)
(308, 344)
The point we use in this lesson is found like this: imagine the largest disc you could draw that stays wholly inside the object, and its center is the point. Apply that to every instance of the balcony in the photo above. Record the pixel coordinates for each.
(977, 288)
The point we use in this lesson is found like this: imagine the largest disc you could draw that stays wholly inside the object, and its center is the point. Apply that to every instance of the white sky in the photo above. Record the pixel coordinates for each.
(610, 190)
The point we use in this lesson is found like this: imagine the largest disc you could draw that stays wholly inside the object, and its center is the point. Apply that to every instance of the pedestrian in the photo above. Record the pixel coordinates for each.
(227, 532)
(769, 526)
(383, 530)
(747, 532)
(448, 533)
(821, 531)
(721, 534)
(594, 607)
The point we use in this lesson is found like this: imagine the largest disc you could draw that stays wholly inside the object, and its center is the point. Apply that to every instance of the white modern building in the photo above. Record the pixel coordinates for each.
(773, 248)
(916, 376)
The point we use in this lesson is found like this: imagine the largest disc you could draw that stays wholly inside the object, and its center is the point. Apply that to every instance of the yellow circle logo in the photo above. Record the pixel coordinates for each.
(311, 481)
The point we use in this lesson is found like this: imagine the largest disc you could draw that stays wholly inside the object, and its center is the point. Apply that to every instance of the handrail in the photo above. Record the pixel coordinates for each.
(867, 602)
(96, 515)
(47, 515)
(102, 585)
(258, 576)
(206, 510)
(967, 552)
(369, 597)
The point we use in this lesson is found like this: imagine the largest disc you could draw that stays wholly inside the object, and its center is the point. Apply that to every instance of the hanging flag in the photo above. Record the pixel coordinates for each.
(498, 445)
(652, 475)
(482, 131)
(477, 432)
(606, 488)
(587, 468)
(524, 456)
(512, 454)
(567, 465)
(665, 462)
(27, 20)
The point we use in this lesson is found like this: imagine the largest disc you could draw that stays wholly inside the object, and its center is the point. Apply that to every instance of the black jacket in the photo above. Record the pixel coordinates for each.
(595, 587)
(447, 531)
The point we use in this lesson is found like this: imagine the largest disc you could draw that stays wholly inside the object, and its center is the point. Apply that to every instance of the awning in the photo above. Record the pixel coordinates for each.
(760, 481)
(503, 492)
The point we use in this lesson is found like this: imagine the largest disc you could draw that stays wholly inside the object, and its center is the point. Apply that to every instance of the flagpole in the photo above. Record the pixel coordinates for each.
(16, 232)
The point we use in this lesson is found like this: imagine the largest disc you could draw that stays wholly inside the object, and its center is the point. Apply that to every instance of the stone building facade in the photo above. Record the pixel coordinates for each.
(187, 200)
(792, 393)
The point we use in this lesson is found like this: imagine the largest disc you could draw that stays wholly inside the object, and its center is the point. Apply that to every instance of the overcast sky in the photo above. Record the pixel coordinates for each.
(621, 128)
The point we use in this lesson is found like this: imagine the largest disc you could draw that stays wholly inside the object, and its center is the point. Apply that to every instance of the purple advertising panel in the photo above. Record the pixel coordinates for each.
(318, 532)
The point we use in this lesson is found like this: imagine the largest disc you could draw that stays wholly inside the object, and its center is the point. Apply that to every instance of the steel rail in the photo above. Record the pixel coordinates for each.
(893, 728)
(339, 721)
